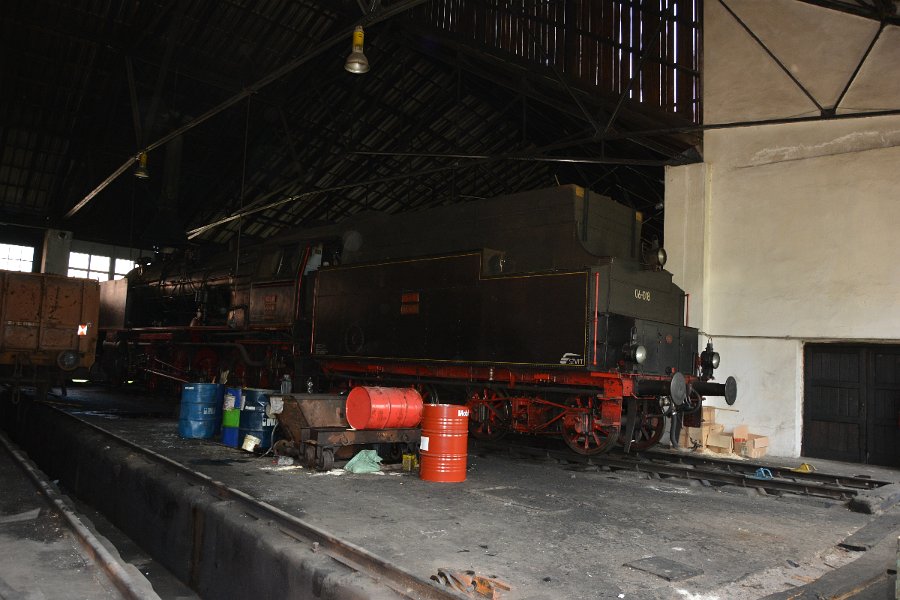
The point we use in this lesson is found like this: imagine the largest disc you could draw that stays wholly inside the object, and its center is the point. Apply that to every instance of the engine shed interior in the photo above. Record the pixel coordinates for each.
(519, 299)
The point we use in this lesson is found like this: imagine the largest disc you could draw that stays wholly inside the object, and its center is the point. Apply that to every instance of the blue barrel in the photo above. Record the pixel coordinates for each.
(201, 410)
(254, 420)
(230, 436)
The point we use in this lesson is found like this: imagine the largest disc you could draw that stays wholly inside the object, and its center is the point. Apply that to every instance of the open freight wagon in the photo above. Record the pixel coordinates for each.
(48, 327)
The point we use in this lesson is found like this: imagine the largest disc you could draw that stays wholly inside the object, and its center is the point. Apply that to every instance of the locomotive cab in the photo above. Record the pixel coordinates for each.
(639, 315)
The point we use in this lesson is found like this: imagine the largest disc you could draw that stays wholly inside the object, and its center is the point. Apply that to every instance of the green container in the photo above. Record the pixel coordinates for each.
(231, 418)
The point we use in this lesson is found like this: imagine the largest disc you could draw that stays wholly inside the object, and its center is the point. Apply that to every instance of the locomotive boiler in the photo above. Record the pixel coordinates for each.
(545, 312)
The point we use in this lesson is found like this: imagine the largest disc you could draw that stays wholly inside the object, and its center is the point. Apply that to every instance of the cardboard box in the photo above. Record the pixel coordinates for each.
(757, 441)
(746, 452)
(689, 435)
(708, 414)
(740, 433)
(720, 442)
(755, 446)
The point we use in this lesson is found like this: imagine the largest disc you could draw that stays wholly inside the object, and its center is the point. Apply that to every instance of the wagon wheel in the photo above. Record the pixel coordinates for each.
(489, 416)
(325, 459)
(309, 455)
(648, 428)
(582, 431)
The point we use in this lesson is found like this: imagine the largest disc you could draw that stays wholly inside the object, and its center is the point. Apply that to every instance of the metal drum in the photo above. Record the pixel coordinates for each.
(383, 408)
(201, 410)
(254, 420)
(231, 417)
(231, 420)
(444, 443)
(230, 436)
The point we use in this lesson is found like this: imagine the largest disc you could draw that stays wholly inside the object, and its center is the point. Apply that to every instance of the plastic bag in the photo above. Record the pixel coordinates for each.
(366, 461)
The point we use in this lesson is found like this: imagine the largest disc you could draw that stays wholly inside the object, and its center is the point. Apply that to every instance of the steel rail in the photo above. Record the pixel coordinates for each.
(94, 549)
(684, 471)
(847, 481)
(396, 578)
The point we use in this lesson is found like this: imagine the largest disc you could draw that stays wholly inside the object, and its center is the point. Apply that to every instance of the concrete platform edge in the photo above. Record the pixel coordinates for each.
(219, 551)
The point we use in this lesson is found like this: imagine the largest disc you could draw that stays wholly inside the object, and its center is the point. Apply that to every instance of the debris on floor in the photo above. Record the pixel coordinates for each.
(365, 461)
(472, 584)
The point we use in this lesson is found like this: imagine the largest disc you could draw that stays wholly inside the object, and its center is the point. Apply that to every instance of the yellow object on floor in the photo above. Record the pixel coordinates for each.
(804, 468)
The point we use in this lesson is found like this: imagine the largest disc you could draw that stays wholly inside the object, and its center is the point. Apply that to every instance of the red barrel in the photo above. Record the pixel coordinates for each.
(444, 444)
(383, 407)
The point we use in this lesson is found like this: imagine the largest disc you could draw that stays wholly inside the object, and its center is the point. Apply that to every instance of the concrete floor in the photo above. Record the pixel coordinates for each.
(549, 530)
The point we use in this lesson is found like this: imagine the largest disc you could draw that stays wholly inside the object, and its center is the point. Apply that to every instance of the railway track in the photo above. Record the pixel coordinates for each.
(93, 549)
(713, 471)
(403, 583)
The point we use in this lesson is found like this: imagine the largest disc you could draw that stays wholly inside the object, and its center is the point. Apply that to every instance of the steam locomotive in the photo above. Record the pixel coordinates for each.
(545, 312)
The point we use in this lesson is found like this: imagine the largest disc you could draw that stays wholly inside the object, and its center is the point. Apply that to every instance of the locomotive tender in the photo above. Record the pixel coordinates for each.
(543, 311)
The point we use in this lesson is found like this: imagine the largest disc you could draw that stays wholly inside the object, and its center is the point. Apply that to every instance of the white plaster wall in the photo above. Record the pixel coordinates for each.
(685, 199)
(802, 247)
(820, 47)
(788, 233)
(768, 385)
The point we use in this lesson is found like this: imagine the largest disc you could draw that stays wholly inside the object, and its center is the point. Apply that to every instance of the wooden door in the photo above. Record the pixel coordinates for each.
(883, 424)
(851, 408)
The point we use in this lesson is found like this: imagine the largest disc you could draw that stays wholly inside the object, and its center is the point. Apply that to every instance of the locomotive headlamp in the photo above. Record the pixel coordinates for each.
(661, 257)
(655, 258)
(67, 360)
(709, 360)
(637, 354)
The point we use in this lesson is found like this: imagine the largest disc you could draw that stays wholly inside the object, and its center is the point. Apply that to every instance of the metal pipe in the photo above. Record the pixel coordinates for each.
(245, 356)
(557, 159)
(575, 141)
(162, 374)
(251, 89)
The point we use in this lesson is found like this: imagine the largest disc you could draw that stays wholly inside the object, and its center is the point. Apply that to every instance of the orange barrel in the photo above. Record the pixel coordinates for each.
(443, 446)
(383, 407)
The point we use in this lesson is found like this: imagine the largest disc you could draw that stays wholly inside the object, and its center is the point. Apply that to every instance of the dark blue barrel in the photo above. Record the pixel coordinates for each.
(254, 420)
(230, 436)
(201, 410)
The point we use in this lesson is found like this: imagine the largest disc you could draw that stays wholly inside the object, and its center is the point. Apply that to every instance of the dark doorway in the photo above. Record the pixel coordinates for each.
(851, 407)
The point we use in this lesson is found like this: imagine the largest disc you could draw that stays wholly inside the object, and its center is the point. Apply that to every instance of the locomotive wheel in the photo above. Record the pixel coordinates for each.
(489, 417)
(582, 431)
(648, 429)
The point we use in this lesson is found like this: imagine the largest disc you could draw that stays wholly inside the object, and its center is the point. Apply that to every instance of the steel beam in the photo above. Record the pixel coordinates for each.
(275, 75)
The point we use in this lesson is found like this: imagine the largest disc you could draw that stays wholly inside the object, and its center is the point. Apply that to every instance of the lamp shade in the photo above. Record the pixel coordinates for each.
(357, 62)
